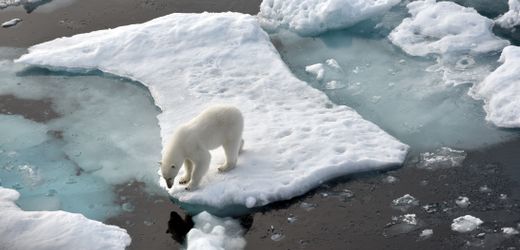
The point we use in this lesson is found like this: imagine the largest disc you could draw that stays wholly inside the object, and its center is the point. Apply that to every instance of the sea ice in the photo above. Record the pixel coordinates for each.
(509, 231)
(442, 158)
(501, 90)
(466, 223)
(462, 202)
(72, 162)
(405, 202)
(187, 71)
(426, 233)
(311, 17)
(53, 230)
(511, 18)
(11, 22)
(445, 28)
(214, 233)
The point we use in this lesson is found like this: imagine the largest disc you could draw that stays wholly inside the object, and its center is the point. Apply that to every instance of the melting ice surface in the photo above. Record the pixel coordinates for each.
(106, 134)
(419, 100)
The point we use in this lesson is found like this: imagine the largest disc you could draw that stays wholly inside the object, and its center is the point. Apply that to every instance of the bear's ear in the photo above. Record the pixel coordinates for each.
(173, 166)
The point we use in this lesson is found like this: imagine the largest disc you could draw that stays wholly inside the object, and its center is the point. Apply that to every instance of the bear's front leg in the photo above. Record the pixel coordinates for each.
(200, 167)
(188, 170)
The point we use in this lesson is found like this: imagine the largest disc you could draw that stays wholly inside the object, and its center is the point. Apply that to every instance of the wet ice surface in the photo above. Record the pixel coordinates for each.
(420, 100)
(105, 133)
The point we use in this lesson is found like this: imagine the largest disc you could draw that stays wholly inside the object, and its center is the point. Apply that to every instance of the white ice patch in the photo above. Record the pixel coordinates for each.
(462, 202)
(311, 17)
(54, 230)
(501, 90)
(213, 233)
(509, 231)
(441, 158)
(445, 28)
(295, 138)
(511, 18)
(466, 223)
(11, 22)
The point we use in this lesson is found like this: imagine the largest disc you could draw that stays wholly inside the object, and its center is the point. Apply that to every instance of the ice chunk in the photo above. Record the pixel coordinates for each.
(11, 22)
(187, 71)
(511, 18)
(311, 17)
(509, 231)
(501, 90)
(445, 28)
(405, 202)
(402, 224)
(215, 233)
(53, 230)
(426, 233)
(462, 201)
(442, 158)
(466, 223)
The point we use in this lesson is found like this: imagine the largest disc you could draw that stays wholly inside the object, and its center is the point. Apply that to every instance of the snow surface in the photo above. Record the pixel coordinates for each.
(53, 230)
(445, 28)
(311, 17)
(511, 18)
(500, 90)
(214, 233)
(466, 223)
(295, 138)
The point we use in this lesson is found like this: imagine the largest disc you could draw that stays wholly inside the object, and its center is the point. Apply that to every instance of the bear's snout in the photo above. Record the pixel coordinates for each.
(169, 182)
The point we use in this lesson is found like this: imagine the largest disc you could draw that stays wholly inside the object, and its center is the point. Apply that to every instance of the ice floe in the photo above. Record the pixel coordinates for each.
(500, 90)
(511, 18)
(295, 138)
(53, 230)
(311, 17)
(441, 158)
(214, 233)
(466, 223)
(11, 22)
(445, 28)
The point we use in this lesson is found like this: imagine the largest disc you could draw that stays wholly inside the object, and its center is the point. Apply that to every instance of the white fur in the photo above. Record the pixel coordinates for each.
(219, 125)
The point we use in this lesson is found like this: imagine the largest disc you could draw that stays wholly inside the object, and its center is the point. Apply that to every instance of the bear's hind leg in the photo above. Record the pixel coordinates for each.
(232, 149)
(188, 170)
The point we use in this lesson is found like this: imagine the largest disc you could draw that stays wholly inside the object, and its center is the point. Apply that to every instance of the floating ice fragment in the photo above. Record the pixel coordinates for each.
(311, 17)
(277, 236)
(390, 179)
(410, 219)
(500, 90)
(250, 202)
(401, 225)
(466, 223)
(442, 158)
(509, 231)
(484, 189)
(426, 233)
(502, 197)
(511, 18)
(316, 69)
(213, 233)
(11, 22)
(445, 28)
(308, 206)
(292, 218)
(128, 207)
(49, 230)
(405, 202)
(462, 202)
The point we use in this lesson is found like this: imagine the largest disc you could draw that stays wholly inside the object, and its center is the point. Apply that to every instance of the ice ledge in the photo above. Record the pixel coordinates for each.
(295, 138)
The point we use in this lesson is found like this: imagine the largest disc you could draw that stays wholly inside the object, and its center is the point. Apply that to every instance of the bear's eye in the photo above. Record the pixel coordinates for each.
(173, 166)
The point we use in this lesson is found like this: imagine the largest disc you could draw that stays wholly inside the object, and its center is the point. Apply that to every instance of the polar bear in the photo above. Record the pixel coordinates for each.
(219, 125)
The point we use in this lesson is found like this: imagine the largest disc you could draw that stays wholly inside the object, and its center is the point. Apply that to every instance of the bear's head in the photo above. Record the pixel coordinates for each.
(169, 170)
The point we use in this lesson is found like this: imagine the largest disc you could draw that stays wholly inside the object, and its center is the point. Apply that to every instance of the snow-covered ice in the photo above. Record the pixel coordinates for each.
(501, 90)
(466, 223)
(190, 61)
(11, 22)
(311, 17)
(445, 28)
(214, 233)
(511, 18)
(53, 230)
